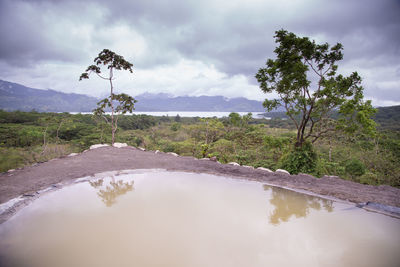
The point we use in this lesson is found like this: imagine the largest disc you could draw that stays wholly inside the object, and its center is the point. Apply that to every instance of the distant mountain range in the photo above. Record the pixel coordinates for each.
(165, 102)
(15, 96)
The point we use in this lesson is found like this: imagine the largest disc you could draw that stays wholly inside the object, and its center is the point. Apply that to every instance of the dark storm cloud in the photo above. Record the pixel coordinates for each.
(234, 36)
(26, 36)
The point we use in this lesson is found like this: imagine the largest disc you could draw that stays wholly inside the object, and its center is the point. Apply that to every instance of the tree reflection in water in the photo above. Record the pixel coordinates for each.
(112, 191)
(289, 203)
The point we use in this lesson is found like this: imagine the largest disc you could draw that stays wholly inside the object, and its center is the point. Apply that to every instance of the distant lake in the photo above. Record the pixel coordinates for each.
(201, 114)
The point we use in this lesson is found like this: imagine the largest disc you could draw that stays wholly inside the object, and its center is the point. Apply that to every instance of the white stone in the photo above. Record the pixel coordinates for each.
(98, 146)
(246, 166)
(82, 179)
(73, 154)
(157, 151)
(173, 154)
(282, 171)
(141, 148)
(119, 145)
(331, 176)
(264, 169)
(234, 163)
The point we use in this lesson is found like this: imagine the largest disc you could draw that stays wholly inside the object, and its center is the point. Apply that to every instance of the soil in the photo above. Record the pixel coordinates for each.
(29, 180)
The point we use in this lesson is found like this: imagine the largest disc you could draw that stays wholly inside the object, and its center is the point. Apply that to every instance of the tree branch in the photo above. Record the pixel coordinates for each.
(290, 115)
(316, 136)
(312, 67)
(102, 77)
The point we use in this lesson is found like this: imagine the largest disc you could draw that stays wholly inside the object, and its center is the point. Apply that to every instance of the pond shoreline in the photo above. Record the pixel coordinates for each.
(32, 180)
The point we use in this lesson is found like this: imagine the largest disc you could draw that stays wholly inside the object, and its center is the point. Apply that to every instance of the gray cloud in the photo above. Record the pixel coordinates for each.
(236, 36)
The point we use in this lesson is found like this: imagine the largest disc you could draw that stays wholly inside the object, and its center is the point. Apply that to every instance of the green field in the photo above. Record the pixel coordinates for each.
(30, 137)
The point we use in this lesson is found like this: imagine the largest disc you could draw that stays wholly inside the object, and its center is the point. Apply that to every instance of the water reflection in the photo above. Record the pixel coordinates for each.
(116, 188)
(289, 203)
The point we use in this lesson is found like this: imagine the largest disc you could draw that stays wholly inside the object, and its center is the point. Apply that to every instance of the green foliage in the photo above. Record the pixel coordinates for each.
(258, 145)
(134, 122)
(355, 168)
(175, 126)
(234, 119)
(300, 160)
(369, 178)
(239, 121)
(13, 135)
(304, 76)
(16, 157)
(223, 149)
(19, 117)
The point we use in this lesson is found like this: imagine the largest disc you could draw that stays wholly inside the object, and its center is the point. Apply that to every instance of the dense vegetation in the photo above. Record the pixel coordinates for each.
(29, 137)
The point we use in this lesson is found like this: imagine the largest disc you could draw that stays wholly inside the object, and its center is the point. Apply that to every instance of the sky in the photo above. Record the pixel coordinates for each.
(187, 47)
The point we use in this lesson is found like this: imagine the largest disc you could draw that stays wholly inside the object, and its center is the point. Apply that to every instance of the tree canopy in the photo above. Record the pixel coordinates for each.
(304, 76)
(125, 102)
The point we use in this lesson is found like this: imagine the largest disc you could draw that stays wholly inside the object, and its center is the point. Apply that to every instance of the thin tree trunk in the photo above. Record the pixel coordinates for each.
(112, 109)
(44, 141)
(58, 130)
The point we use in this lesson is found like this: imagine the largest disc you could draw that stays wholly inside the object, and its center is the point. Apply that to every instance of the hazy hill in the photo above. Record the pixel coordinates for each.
(164, 102)
(15, 96)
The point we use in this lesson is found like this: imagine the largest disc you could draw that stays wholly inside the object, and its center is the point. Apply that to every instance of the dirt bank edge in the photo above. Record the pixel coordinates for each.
(30, 180)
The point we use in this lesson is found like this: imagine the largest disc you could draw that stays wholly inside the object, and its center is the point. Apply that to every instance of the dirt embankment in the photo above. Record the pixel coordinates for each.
(31, 179)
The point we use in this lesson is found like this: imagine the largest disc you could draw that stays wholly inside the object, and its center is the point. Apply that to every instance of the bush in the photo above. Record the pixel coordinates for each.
(355, 168)
(300, 160)
(175, 126)
(370, 178)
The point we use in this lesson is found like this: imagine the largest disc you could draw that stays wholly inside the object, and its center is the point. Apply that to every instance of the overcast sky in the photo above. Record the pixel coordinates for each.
(187, 47)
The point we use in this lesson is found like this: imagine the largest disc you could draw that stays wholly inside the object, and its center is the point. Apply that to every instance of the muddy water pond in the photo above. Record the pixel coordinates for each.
(160, 218)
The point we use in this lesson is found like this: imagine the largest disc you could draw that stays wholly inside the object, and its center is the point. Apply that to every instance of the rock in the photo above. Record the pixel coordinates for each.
(72, 154)
(331, 176)
(11, 170)
(173, 154)
(282, 171)
(246, 166)
(119, 145)
(204, 159)
(141, 148)
(157, 151)
(98, 146)
(264, 169)
(213, 158)
(29, 195)
(234, 163)
(373, 206)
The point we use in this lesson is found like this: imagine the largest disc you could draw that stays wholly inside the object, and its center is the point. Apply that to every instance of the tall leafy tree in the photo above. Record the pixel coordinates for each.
(304, 76)
(124, 103)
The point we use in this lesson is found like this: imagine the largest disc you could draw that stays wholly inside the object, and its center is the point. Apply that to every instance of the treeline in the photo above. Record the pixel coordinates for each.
(29, 137)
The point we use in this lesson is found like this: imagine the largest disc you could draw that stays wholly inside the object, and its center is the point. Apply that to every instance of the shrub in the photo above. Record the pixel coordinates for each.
(370, 178)
(355, 168)
(175, 126)
(300, 160)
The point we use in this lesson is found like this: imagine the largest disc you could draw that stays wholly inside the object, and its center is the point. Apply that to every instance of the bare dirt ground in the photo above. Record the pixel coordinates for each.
(29, 180)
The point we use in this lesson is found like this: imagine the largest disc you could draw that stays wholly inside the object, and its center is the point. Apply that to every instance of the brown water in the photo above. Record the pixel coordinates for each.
(158, 218)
